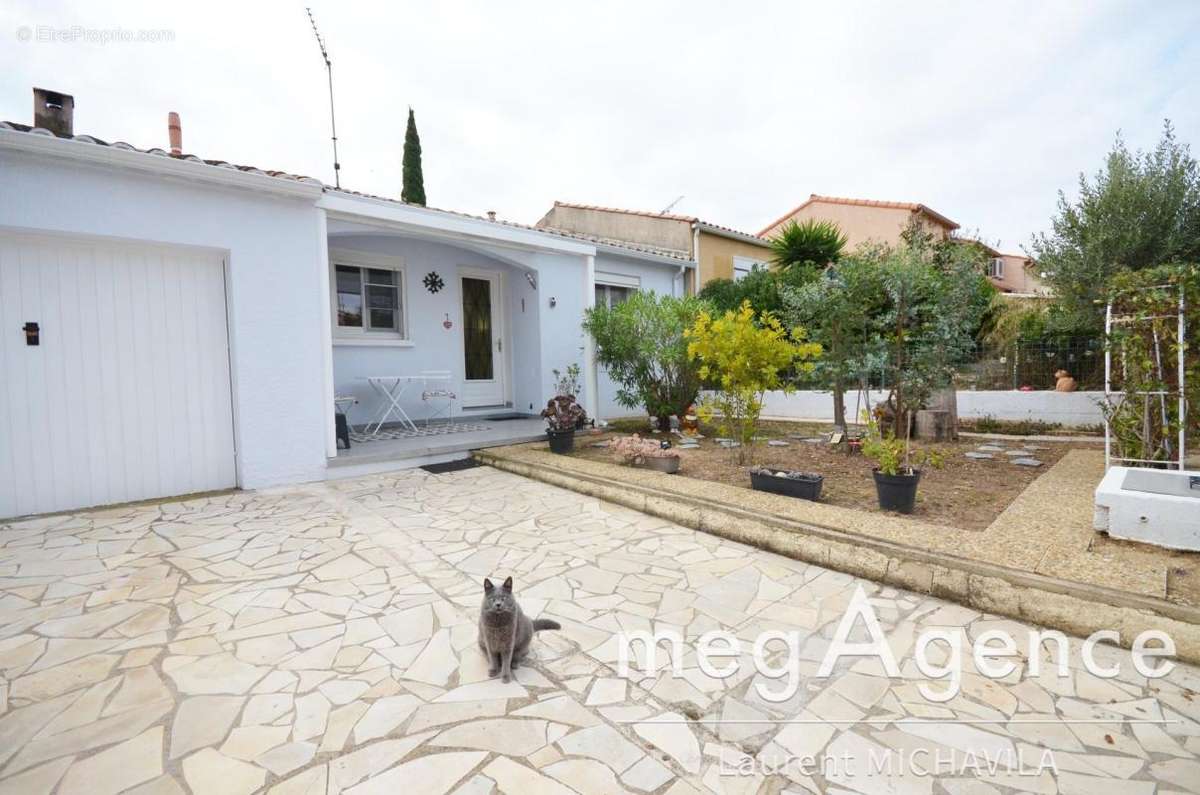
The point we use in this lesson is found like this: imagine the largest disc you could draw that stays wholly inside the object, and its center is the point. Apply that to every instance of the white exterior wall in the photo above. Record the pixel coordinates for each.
(434, 347)
(1066, 408)
(561, 278)
(271, 248)
(652, 277)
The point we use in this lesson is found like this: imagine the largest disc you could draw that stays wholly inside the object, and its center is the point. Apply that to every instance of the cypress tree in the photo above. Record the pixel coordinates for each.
(413, 190)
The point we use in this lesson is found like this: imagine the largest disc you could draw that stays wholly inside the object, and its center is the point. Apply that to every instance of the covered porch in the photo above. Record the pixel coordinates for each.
(443, 331)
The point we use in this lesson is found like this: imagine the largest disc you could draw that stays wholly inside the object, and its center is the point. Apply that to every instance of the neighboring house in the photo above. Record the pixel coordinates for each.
(1012, 273)
(866, 220)
(175, 325)
(720, 252)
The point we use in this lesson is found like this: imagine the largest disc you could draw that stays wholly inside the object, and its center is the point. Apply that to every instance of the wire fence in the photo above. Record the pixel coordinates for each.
(1035, 365)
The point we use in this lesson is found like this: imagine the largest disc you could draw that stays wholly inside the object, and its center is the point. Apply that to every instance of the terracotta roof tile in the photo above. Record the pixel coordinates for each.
(25, 128)
(646, 213)
(818, 199)
(90, 139)
(691, 219)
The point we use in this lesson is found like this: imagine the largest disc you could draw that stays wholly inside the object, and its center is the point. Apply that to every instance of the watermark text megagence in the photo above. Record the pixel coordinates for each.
(938, 654)
(81, 34)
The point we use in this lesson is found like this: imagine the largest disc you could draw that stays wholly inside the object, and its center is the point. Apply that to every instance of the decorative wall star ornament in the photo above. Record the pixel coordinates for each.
(433, 282)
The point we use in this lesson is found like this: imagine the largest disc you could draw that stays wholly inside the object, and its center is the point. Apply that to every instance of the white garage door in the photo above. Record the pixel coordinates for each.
(126, 394)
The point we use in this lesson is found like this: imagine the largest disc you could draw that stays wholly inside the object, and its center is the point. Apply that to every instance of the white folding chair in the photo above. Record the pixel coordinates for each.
(438, 396)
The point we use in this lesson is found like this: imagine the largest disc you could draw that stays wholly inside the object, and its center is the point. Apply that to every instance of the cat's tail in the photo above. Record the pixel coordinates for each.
(544, 623)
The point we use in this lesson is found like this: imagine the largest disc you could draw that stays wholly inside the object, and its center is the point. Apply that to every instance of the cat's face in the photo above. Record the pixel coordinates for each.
(498, 601)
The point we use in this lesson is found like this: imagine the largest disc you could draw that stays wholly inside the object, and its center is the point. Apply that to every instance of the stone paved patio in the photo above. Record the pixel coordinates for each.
(322, 640)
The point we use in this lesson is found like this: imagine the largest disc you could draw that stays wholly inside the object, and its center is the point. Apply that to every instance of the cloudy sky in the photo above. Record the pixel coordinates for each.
(982, 111)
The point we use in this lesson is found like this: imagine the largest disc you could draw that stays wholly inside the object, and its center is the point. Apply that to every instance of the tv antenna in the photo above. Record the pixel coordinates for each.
(670, 206)
(337, 167)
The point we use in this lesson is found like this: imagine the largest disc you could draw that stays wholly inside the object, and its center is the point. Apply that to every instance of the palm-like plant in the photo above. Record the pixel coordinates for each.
(810, 244)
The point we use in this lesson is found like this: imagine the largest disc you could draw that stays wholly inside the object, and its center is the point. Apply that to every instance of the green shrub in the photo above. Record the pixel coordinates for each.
(640, 342)
(744, 356)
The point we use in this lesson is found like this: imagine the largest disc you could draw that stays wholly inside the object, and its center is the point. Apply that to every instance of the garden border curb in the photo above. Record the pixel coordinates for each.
(1075, 608)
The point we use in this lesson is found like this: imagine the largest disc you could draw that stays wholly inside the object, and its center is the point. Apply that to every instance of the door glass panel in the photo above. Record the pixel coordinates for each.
(477, 328)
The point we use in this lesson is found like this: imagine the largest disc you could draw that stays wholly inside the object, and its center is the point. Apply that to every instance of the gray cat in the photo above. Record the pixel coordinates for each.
(504, 631)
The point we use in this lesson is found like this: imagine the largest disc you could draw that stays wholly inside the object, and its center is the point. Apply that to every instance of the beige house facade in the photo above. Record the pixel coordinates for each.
(1015, 274)
(719, 252)
(865, 220)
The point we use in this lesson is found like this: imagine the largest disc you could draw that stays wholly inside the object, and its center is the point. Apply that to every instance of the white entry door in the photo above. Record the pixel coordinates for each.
(483, 339)
(116, 374)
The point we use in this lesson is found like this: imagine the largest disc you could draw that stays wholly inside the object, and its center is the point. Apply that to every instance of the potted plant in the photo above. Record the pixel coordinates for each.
(646, 453)
(567, 385)
(562, 415)
(790, 483)
(896, 475)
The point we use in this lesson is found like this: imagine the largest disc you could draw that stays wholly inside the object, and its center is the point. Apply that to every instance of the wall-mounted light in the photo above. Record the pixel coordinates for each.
(529, 277)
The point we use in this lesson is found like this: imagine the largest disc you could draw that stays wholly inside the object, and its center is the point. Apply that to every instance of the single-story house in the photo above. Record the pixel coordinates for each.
(719, 251)
(866, 220)
(175, 325)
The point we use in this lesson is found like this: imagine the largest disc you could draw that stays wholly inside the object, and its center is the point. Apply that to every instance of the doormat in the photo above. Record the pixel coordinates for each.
(451, 466)
(359, 433)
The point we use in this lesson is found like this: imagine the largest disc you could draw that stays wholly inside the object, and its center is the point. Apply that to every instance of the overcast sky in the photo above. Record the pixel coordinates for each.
(980, 110)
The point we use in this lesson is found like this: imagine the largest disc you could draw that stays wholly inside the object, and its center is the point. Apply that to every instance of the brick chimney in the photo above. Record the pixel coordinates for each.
(175, 133)
(54, 111)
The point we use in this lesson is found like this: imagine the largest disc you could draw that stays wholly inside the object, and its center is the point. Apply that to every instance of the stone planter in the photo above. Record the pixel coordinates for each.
(668, 464)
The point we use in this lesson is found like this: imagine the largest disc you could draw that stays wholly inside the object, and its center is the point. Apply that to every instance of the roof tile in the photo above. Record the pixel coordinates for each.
(89, 139)
(819, 199)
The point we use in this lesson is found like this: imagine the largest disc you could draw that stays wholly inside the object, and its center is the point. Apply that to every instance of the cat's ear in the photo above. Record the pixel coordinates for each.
(487, 585)
(508, 585)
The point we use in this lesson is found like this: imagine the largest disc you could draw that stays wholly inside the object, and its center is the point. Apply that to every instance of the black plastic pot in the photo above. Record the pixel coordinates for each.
(897, 492)
(561, 441)
(806, 487)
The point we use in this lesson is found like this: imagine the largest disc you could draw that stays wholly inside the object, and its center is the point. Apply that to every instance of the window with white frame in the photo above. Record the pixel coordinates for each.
(743, 265)
(368, 299)
(996, 267)
(615, 288)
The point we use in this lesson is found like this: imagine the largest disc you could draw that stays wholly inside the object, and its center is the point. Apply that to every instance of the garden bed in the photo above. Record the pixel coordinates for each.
(967, 493)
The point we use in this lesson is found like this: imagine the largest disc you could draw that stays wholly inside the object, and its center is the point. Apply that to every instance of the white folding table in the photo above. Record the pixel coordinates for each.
(392, 388)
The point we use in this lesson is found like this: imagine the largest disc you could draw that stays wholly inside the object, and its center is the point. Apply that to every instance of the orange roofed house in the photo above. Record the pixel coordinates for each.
(719, 252)
(863, 220)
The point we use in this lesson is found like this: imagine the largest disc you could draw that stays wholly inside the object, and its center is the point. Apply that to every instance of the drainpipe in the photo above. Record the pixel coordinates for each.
(591, 403)
(327, 391)
(696, 254)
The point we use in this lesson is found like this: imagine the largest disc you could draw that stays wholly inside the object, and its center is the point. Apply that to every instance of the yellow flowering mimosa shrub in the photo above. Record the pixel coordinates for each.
(743, 357)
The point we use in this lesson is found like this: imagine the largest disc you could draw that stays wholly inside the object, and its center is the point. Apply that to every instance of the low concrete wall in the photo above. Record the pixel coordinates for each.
(1073, 607)
(1065, 408)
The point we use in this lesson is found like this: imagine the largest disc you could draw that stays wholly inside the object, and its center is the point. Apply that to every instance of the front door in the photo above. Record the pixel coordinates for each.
(483, 340)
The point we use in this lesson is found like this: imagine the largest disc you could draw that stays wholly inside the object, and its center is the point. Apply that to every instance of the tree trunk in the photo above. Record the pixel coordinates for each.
(839, 405)
(946, 400)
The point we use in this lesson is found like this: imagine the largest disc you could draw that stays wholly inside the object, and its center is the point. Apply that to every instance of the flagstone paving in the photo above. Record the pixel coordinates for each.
(321, 640)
